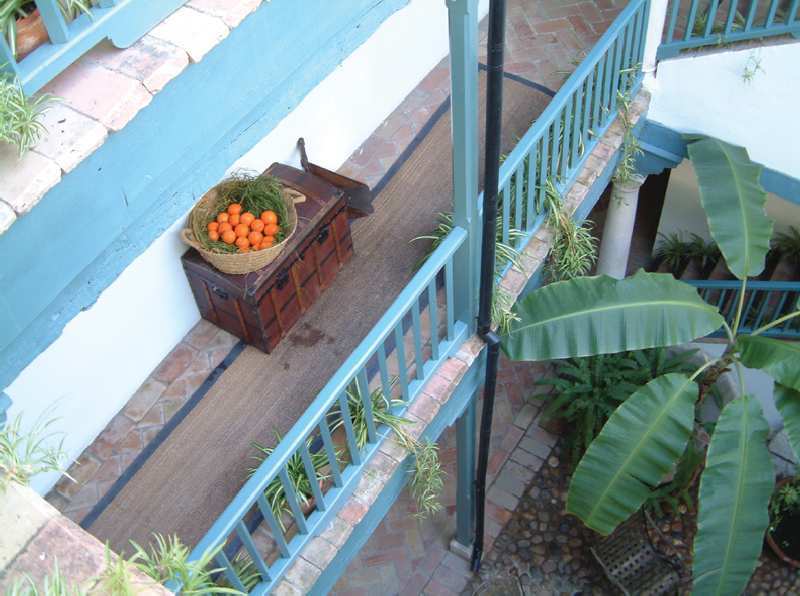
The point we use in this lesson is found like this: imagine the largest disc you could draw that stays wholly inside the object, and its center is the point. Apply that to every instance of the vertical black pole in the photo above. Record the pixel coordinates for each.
(494, 115)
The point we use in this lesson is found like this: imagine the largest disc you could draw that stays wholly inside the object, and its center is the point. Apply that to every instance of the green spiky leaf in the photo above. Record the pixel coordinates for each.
(779, 359)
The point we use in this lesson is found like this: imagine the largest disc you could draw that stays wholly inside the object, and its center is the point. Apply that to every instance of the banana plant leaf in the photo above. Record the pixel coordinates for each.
(735, 489)
(636, 449)
(601, 315)
(734, 200)
(788, 403)
(778, 358)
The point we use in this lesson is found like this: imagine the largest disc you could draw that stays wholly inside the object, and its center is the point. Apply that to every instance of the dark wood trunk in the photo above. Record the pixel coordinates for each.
(261, 307)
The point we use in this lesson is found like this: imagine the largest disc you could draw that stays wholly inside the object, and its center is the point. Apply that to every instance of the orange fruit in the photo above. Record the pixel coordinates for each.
(224, 227)
(269, 217)
(213, 226)
(257, 225)
(222, 217)
(213, 235)
(228, 237)
(234, 208)
(242, 242)
(241, 230)
(247, 218)
(267, 241)
(270, 229)
(255, 238)
(235, 219)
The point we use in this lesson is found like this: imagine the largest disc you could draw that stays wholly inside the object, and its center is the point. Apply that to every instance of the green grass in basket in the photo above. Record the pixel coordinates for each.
(256, 194)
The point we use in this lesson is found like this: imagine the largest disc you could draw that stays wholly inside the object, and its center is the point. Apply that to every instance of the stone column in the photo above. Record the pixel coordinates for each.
(615, 247)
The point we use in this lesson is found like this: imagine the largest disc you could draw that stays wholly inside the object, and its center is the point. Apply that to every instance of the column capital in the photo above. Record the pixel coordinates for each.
(462, 7)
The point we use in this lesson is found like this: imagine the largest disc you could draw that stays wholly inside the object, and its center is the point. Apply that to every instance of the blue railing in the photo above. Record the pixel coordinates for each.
(764, 302)
(696, 23)
(395, 360)
(557, 145)
(121, 21)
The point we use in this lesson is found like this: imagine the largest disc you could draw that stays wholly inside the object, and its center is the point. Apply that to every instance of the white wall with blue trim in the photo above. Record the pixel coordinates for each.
(87, 372)
(711, 92)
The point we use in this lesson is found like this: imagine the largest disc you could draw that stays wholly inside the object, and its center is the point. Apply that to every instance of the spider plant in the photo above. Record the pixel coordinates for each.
(20, 116)
(53, 584)
(116, 578)
(13, 10)
(245, 570)
(573, 250)
(24, 454)
(427, 480)
(707, 253)
(168, 559)
(672, 251)
(788, 244)
(504, 253)
(502, 314)
(301, 484)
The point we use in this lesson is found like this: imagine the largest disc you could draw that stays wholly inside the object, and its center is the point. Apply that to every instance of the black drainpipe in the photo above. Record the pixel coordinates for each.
(494, 113)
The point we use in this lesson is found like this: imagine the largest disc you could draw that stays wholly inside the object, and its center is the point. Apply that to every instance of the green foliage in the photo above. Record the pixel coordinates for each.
(168, 559)
(504, 253)
(600, 315)
(572, 252)
(20, 116)
(675, 492)
(626, 169)
(588, 390)
(115, 578)
(427, 480)
(295, 470)
(620, 468)
(784, 501)
(673, 251)
(707, 253)
(642, 441)
(734, 202)
(788, 244)
(24, 454)
(53, 584)
(502, 310)
(735, 489)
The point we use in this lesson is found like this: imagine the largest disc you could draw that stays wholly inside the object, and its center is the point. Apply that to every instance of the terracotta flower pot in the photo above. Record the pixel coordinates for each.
(31, 34)
(773, 544)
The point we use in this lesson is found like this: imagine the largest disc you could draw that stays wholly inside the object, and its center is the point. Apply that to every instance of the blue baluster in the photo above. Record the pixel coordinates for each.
(366, 399)
(448, 284)
(330, 451)
(506, 199)
(352, 444)
(274, 526)
(250, 546)
(531, 188)
(384, 369)
(402, 367)
(227, 569)
(712, 15)
(433, 310)
(732, 8)
(691, 20)
(673, 20)
(566, 143)
(416, 329)
(53, 21)
(311, 474)
(291, 497)
(751, 15)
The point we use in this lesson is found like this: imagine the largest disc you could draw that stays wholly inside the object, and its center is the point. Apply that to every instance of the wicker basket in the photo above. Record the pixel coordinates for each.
(237, 263)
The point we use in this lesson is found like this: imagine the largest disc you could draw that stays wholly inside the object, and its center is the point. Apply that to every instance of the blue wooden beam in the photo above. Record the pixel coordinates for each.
(463, 27)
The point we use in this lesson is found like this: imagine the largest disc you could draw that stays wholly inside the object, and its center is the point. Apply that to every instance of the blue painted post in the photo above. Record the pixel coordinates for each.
(465, 493)
(463, 25)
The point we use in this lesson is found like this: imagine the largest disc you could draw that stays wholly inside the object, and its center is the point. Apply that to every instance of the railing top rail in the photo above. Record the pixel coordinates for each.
(314, 413)
(735, 284)
(572, 83)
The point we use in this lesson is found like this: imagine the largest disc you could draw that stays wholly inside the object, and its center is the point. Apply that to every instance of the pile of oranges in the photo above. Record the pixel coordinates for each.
(244, 230)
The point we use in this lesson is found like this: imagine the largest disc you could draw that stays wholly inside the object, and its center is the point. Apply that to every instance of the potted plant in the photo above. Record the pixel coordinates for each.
(24, 27)
(20, 116)
(783, 535)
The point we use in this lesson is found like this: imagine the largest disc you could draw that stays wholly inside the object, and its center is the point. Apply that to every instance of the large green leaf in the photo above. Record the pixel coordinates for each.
(734, 493)
(788, 403)
(637, 447)
(778, 358)
(733, 199)
(602, 315)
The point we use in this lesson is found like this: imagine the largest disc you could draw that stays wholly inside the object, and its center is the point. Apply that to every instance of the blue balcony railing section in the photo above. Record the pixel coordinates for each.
(552, 152)
(338, 431)
(764, 302)
(697, 23)
(121, 21)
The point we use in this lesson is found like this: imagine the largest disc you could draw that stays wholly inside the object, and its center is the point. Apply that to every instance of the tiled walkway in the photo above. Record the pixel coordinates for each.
(545, 40)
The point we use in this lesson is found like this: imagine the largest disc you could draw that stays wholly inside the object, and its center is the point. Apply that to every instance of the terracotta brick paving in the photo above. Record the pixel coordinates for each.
(167, 389)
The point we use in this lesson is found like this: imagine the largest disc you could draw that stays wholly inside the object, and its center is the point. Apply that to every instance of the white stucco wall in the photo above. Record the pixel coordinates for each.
(706, 93)
(683, 212)
(104, 354)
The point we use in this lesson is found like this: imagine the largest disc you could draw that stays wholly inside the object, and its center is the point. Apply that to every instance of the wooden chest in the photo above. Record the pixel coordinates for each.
(261, 307)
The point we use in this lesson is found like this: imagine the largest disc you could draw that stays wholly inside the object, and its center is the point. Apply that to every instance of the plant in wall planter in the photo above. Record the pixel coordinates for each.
(646, 436)
(24, 28)
(783, 535)
(20, 116)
